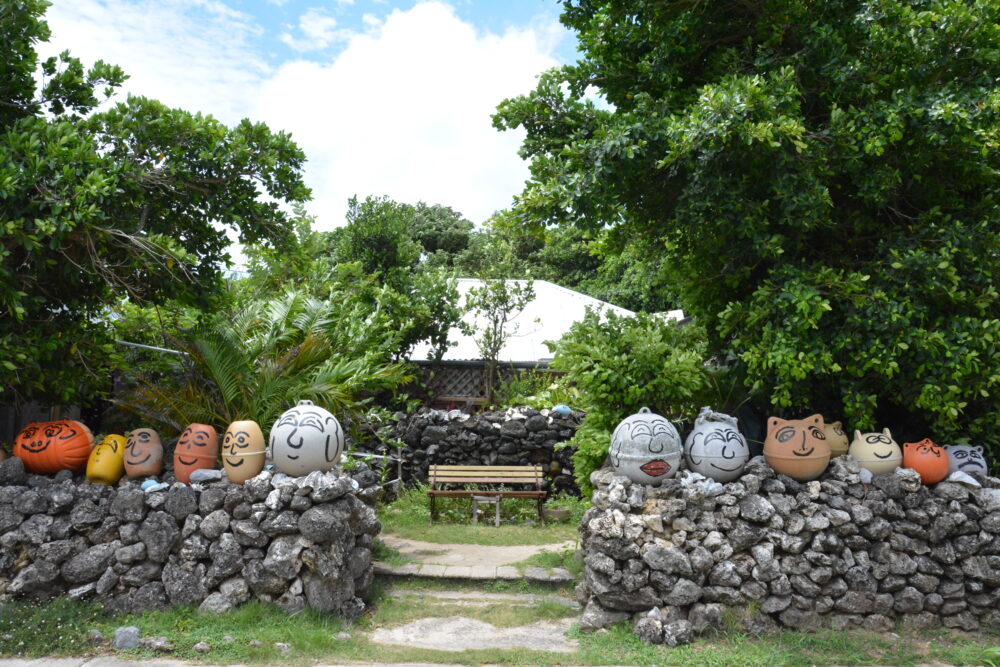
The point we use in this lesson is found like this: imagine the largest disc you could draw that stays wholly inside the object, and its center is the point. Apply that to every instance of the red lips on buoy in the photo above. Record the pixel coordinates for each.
(655, 468)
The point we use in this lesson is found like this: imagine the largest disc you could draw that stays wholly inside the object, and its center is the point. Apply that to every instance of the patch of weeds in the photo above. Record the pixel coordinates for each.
(991, 656)
(501, 613)
(386, 554)
(58, 627)
(519, 586)
(569, 558)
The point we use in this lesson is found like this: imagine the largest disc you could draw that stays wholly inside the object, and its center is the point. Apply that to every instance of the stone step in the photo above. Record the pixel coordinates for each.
(537, 575)
(482, 598)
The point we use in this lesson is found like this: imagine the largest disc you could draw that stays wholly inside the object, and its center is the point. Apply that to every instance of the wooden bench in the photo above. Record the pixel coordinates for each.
(520, 475)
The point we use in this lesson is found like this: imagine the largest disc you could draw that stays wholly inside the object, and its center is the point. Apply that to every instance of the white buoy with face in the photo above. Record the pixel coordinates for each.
(646, 448)
(306, 438)
(715, 447)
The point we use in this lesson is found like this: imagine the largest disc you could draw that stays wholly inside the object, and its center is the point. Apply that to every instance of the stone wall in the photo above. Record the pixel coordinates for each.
(293, 541)
(521, 436)
(833, 552)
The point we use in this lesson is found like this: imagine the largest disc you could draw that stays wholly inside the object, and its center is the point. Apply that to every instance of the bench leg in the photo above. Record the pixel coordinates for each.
(475, 511)
(432, 510)
(541, 514)
(497, 522)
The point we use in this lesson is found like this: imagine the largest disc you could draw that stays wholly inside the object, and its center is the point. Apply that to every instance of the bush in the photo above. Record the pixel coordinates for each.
(621, 364)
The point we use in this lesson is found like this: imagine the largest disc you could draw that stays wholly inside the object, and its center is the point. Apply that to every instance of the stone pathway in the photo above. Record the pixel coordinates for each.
(461, 634)
(475, 562)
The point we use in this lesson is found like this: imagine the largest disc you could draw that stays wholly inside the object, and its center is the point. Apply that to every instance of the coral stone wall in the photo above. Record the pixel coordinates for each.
(522, 436)
(832, 552)
(296, 542)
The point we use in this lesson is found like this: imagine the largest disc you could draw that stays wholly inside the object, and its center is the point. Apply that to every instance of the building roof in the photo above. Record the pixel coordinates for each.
(549, 316)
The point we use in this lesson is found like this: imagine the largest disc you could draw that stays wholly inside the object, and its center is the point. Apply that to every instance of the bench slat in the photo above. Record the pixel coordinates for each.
(443, 468)
(468, 494)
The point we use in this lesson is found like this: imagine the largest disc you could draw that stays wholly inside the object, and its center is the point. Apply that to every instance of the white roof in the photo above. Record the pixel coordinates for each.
(549, 316)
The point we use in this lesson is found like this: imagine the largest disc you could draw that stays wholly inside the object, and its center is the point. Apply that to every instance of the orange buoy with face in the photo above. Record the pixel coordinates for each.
(197, 449)
(48, 447)
(143, 453)
(243, 449)
(928, 459)
(106, 464)
(797, 447)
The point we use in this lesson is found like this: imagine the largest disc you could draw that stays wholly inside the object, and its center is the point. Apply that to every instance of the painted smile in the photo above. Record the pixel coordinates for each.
(655, 468)
(229, 461)
(805, 453)
(718, 467)
(135, 463)
(35, 447)
(882, 456)
(187, 463)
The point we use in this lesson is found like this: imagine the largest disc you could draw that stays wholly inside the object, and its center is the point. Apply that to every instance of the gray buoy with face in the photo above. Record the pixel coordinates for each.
(306, 438)
(966, 459)
(715, 447)
(646, 448)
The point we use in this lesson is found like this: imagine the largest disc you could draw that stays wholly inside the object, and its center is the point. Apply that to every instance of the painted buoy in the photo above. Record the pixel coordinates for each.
(306, 438)
(646, 448)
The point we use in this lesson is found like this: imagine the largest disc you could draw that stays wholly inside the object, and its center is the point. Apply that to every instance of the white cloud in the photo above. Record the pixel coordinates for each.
(319, 30)
(403, 110)
(193, 54)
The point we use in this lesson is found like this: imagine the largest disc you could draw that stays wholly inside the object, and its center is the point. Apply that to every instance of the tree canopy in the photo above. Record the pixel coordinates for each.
(820, 180)
(100, 202)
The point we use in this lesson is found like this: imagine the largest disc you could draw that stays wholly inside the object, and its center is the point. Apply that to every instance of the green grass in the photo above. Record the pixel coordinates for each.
(409, 515)
(386, 554)
(60, 627)
(413, 606)
(569, 558)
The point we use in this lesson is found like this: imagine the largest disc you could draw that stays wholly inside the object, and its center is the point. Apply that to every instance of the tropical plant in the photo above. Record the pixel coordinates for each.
(621, 364)
(272, 353)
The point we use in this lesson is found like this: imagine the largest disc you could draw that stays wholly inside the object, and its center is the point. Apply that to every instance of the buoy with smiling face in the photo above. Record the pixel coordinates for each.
(715, 447)
(143, 453)
(797, 447)
(197, 449)
(48, 447)
(928, 459)
(967, 459)
(243, 451)
(646, 448)
(837, 439)
(306, 438)
(876, 452)
(106, 464)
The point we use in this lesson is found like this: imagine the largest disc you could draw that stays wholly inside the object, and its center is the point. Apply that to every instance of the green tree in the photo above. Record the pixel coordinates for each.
(421, 299)
(500, 298)
(100, 204)
(819, 178)
(441, 231)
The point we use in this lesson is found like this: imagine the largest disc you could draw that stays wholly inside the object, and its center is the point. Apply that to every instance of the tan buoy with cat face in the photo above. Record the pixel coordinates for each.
(835, 435)
(797, 447)
(877, 453)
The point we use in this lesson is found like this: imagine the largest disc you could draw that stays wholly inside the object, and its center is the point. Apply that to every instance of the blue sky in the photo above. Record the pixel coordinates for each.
(386, 97)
